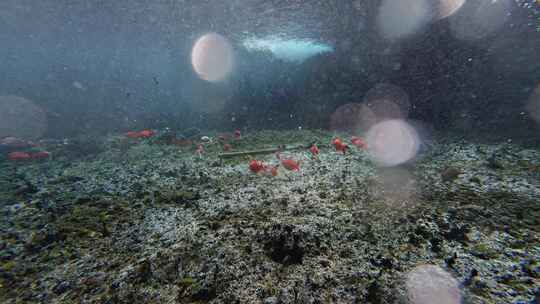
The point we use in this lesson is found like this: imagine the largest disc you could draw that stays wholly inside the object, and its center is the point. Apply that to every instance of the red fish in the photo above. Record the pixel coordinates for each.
(256, 166)
(16, 156)
(290, 164)
(274, 170)
(132, 134)
(359, 142)
(237, 134)
(146, 133)
(340, 146)
(141, 134)
(314, 150)
(227, 147)
(40, 155)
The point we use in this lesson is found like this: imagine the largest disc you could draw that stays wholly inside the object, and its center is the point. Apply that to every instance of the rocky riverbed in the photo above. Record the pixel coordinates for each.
(136, 221)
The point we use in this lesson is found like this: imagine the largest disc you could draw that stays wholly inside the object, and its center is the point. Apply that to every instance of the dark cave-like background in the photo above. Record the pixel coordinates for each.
(133, 60)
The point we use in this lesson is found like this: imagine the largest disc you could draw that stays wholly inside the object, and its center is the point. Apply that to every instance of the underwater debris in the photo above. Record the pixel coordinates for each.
(260, 151)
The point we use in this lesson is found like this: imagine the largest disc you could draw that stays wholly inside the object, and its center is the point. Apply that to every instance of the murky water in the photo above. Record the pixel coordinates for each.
(270, 151)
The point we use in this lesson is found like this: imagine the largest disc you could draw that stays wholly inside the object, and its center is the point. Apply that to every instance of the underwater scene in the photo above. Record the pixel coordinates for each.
(270, 151)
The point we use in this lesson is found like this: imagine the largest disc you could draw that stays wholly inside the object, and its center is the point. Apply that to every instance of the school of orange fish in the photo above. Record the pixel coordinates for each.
(255, 166)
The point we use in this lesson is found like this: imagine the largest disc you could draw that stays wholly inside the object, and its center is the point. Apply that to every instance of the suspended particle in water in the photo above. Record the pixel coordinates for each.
(78, 85)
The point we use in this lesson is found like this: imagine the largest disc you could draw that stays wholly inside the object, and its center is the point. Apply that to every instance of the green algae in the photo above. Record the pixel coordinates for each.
(484, 251)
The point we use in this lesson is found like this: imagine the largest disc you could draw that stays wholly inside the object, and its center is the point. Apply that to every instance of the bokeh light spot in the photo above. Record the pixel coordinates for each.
(480, 18)
(392, 142)
(352, 117)
(391, 93)
(212, 57)
(397, 19)
(447, 8)
(386, 101)
(533, 105)
(428, 284)
(398, 184)
(21, 118)
(385, 109)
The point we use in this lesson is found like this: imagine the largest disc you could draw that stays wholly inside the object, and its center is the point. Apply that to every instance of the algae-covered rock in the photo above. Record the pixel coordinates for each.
(483, 251)
(285, 244)
(495, 163)
(40, 239)
(449, 174)
(185, 197)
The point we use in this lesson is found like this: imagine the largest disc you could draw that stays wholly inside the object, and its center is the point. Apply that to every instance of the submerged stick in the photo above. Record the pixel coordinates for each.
(261, 151)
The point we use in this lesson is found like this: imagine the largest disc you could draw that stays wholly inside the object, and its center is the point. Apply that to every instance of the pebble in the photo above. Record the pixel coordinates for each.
(61, 287)
(270, 300)
(506, 277)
